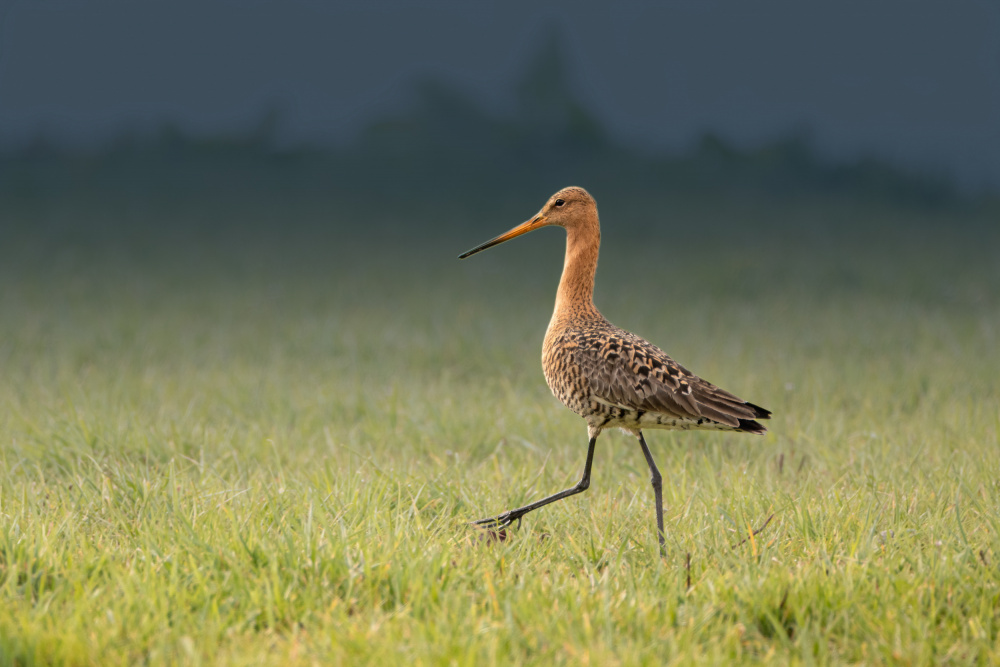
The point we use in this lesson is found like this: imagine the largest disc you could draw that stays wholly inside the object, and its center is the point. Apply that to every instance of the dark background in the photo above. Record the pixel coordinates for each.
(917, 83)
(270, 122)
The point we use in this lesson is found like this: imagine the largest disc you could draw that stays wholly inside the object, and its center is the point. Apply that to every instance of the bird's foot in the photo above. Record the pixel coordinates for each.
(501, 520)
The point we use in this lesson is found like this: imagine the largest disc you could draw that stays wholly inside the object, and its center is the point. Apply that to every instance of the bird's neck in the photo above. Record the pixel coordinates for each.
(576, 287)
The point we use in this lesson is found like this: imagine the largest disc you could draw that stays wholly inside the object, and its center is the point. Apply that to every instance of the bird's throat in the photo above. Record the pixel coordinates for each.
(575, 296)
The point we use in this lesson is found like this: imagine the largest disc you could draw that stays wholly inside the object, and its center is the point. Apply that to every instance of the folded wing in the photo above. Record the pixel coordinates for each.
(627, 371)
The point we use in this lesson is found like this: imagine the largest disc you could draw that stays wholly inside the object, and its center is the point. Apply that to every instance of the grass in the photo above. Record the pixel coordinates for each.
(217, 451)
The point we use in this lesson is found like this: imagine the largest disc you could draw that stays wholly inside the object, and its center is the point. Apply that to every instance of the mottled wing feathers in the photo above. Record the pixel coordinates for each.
(627, 371)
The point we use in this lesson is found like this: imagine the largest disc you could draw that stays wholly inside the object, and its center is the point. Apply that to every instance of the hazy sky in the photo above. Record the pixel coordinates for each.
(916, 81)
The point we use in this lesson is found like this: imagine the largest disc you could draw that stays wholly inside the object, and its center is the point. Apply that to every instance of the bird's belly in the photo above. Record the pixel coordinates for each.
(609, 416)
(570, 387)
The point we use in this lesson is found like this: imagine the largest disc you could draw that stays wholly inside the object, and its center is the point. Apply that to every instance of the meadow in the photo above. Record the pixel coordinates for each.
(233, 444)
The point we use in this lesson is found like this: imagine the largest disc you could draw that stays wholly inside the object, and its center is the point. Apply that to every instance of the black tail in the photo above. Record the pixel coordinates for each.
(750, 426)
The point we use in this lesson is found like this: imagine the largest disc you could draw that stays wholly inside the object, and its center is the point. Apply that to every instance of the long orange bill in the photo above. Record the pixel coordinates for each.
(523, 228)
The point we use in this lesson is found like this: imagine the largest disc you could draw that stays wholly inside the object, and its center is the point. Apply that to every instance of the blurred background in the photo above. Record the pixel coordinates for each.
(228, 269)
(898, 100)
(346, 153)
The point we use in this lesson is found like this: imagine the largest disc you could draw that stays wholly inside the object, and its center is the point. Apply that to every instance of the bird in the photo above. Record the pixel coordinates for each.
(611, 377)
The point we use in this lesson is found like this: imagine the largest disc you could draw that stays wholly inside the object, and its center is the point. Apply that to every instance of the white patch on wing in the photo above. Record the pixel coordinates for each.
(602, 401)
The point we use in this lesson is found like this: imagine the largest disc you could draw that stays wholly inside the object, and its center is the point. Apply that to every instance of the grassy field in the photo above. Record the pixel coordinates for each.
(228, 449)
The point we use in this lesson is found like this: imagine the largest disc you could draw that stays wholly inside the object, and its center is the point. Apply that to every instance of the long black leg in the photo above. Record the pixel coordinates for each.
(510, 516)
(657, 480)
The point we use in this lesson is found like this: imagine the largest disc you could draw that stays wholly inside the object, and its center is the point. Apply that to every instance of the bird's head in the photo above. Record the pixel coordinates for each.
(570, 208)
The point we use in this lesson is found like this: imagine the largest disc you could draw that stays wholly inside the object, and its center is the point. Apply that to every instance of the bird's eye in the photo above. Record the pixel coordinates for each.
(559, 202)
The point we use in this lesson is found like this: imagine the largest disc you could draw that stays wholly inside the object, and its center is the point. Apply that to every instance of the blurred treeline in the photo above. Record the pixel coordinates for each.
(446, 158)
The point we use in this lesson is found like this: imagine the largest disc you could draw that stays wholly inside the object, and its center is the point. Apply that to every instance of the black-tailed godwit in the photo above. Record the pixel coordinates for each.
(608, 376)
